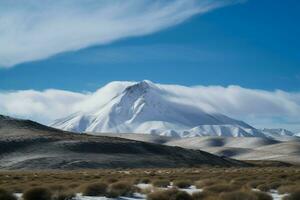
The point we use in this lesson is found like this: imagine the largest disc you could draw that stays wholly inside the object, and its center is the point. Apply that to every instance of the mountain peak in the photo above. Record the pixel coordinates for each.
(141, 87)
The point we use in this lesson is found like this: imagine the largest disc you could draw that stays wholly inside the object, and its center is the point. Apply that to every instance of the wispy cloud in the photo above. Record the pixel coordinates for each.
(257, 107)
(32, 30)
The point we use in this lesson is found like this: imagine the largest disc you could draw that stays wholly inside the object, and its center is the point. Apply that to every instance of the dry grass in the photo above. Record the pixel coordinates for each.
(212, 180)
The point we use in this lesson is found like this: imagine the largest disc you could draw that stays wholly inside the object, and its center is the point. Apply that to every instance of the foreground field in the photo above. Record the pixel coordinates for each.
(159, 184)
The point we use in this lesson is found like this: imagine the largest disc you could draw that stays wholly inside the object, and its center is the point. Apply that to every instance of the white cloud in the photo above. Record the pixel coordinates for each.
(258, 107)
(33, 29)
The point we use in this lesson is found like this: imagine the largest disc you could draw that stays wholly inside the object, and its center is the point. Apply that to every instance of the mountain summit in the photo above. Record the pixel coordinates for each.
(145, 107)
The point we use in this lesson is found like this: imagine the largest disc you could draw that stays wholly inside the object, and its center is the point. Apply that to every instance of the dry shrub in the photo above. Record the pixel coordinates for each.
(204, 195)
(161, 183)
(95, 189)
(159, 195)
(63, 196)
(145, 180)
(288, 189)
(182, 195)
(205, 182)
(38, 193)
(121, 188)
(262, 195)
(238, 195)
(255, 183)
(5, 195)
(293, 196)
(182, 183)
(269, 186)
(219, 188)
(171, 194)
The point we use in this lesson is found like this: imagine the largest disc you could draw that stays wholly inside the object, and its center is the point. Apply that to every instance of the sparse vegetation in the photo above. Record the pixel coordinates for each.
(62, 185)
(182, 183)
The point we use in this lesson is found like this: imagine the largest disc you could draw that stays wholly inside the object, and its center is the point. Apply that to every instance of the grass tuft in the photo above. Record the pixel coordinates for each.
(95, 189)
(182, 183)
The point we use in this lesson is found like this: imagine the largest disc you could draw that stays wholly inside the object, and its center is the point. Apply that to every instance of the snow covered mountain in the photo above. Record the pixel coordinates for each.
(145, 107)
(271, 132)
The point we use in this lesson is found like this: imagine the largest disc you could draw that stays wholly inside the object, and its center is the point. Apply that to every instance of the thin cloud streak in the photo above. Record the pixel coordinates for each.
(35, 29)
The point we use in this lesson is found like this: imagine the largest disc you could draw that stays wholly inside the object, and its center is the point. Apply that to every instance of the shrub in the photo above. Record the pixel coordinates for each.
(293, 196)
(204, 196)
(238, 195)
(206, 182)
(288, 189)
(218, 188)
(254, 184)
(161, 183)
(121, 188)
(145, 180)
(5, 195)
(171, 194)
(63, 196)
(182, 195)
(37, 193)
(95, 189)
(159, 195)
(268, 186)
(262, 196)
(182, 184)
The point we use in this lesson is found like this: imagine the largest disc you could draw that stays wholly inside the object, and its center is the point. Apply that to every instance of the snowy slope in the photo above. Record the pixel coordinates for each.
(145, 107)
(277, 132)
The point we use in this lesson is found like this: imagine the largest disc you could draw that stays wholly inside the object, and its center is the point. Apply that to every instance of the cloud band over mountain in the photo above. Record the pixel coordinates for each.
(257, 107)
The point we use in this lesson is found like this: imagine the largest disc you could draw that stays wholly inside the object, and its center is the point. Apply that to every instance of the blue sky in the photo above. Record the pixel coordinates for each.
(82, 45)
(253, 44)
